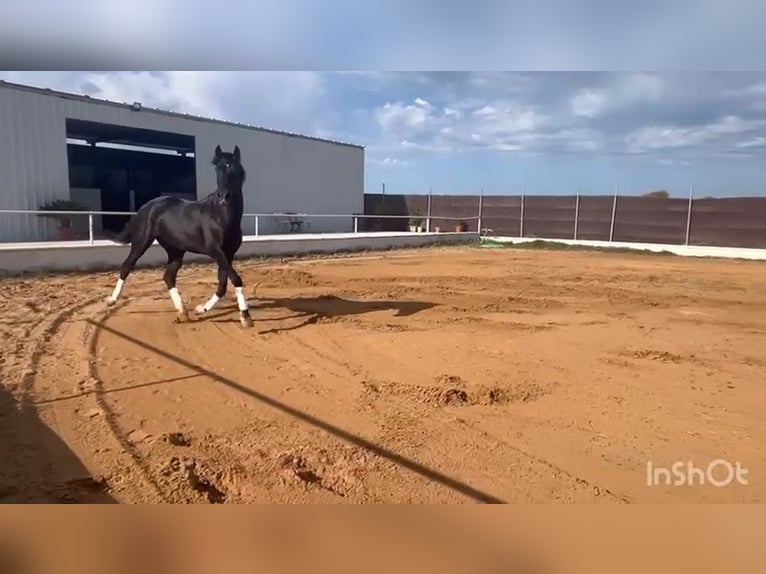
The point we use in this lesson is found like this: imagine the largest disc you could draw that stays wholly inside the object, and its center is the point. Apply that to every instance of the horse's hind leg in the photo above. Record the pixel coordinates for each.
(137, 249)
(175, 261)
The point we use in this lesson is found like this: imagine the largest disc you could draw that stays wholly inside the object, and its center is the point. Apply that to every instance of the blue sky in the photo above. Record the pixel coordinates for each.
(548, 132)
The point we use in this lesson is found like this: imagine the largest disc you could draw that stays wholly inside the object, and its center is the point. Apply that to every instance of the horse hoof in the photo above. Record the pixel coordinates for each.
(246, 320)
(109, 301)
(200, 310)
(183, 317)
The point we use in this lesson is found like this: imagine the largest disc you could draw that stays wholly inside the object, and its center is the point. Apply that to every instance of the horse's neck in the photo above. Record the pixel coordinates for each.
(236, 204)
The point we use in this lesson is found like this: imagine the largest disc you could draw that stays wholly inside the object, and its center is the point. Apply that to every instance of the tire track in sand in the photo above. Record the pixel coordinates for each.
(67, 393)
(33, 465)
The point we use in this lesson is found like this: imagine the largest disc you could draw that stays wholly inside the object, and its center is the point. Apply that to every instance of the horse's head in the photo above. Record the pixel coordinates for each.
(229, 171)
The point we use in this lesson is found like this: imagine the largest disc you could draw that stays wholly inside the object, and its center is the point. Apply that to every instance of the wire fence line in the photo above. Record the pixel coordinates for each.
(293, 221)
(649, 218)
(730, 222)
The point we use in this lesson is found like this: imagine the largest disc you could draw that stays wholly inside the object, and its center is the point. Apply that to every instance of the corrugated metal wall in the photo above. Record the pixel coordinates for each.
(285, 173)
(33, 162)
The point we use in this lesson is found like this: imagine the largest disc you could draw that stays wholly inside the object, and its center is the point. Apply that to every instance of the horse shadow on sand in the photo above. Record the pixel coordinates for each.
(38, 466)
(313, 309)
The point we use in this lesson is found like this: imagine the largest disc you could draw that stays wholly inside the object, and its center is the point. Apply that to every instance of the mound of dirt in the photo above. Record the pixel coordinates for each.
(451, 391)
(340, 472)
(193, 481)
(657, 355)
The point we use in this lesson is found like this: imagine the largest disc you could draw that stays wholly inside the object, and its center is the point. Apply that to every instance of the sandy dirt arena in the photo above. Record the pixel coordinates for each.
(439, 375)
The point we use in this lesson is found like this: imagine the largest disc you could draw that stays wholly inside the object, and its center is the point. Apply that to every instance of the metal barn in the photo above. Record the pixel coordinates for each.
(112, 156)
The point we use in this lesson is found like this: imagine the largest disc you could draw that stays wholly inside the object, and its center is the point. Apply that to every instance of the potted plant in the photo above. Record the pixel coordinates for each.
(461, 226)
(65, 231)
(416, 222)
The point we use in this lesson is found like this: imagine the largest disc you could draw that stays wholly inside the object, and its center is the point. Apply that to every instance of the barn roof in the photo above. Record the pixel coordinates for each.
(182, 115)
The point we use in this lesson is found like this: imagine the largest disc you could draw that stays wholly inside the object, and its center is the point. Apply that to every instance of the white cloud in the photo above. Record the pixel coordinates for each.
(640, 86)
(622, 91)
(397, 115)
(497, 125)
(651, 138)
(759, 141)
(390, 161)
(593, 113)
(486, 111)
(588, 103)
(670, 162)
(188, 92)
(757, 89)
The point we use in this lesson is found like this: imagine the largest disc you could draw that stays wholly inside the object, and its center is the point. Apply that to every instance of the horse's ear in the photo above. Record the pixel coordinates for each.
(236, 153)
(218, 152)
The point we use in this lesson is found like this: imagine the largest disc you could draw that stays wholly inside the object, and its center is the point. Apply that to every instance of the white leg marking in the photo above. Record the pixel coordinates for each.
(244, 312)
(241, 301)
(176, 297)
(209, 304)
(116, 293)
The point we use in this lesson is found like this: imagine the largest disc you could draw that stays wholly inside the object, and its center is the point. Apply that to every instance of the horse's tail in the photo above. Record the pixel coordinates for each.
(135, 227)
(125, 236)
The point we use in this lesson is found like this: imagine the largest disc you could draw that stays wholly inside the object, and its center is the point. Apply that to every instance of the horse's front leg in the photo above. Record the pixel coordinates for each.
(225, 262)
(220, 291)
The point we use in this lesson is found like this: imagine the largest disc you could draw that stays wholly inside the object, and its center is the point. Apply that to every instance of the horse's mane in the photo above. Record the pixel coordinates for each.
(210, 197)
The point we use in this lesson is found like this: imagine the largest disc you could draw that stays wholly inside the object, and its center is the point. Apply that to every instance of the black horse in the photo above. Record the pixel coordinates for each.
(211, 226)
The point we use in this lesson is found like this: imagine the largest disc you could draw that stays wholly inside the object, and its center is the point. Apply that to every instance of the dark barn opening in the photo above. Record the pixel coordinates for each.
(118, 168)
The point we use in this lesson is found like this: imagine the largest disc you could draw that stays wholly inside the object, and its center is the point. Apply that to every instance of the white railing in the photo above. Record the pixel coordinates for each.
(256, 217)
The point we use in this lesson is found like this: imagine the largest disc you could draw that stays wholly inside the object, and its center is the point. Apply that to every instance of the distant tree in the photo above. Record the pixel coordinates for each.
(658, 193)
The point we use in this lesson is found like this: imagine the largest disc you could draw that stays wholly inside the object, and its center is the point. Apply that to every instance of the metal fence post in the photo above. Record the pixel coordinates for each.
(521, 215)
(577, 213)
(689, 214)
(614, 212)
(356, 224)
(428, 211)
(481, 205)
(90, 227)
(256, 226)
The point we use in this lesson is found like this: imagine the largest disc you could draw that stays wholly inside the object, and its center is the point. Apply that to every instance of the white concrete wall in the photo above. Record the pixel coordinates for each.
(80, 256)
(683, 250)
(285, 172)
